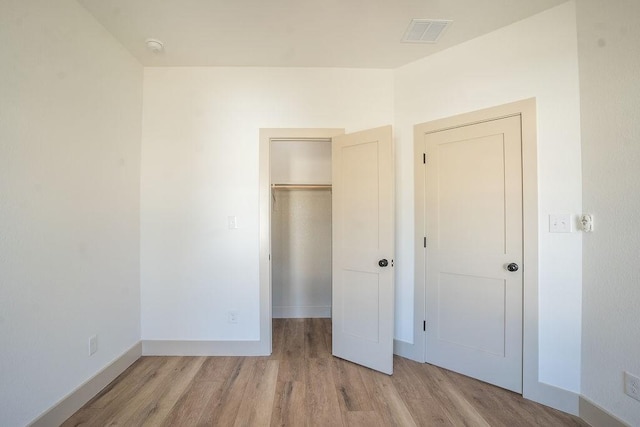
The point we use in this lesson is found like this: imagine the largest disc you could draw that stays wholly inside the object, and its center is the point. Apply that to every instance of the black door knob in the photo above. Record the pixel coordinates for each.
(512, 267)
(383, 263)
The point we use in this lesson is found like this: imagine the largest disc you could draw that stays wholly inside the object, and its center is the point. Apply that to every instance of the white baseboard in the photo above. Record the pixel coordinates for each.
(598, 417)
(203, 348)
(552, 396)
(69, 404)
(408, 351)
(301, 312)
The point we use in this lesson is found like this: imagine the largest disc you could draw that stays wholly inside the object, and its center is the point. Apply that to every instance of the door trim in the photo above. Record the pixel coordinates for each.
(526, 109)
(264, 176)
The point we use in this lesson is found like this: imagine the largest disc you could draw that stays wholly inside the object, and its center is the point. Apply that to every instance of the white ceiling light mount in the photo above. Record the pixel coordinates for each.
(425, 30)
(154, 45)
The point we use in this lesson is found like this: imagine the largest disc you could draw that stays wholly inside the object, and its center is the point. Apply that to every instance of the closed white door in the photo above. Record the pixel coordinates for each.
(473, 208)
(363, 246)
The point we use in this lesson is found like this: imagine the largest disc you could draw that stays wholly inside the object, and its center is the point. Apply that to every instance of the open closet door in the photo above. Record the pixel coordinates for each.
(363, 248)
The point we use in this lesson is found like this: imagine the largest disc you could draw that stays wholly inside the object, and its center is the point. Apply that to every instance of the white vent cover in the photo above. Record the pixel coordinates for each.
(425, 30)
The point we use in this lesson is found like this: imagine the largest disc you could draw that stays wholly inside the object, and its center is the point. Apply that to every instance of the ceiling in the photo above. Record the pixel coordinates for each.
(297, 33)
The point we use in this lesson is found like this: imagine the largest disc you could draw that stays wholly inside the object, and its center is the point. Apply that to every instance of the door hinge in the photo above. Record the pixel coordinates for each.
(424, 158)
(425, 241)
(424, 325)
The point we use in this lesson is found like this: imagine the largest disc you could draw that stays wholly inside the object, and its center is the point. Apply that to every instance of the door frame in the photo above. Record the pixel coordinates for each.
(264, 175)
(526, 109)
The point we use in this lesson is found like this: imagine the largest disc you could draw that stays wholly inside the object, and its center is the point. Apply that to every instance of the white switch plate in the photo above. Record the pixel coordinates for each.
(232, 316)
(233, 222)
(560, 223)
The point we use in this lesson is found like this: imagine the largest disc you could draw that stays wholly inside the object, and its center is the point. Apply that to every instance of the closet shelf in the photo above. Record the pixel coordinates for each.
(301, 186)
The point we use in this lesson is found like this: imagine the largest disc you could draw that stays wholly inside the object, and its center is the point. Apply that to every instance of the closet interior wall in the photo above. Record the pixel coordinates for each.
(301, 228)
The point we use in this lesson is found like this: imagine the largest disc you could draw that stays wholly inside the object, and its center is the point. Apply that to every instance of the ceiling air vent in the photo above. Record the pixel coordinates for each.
(425, 30)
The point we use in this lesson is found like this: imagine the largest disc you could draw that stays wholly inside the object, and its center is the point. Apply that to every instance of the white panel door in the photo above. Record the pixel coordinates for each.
(363, 239)
(473, 208)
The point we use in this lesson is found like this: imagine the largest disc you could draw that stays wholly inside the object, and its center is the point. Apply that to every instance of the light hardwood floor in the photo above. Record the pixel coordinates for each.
(301, 384)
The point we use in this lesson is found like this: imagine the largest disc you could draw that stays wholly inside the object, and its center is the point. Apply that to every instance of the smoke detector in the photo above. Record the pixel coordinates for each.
(155, 46)
(425, 30)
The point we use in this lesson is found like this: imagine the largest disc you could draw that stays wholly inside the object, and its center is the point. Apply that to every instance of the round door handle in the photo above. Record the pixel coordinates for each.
(512, 267)
(383, 263)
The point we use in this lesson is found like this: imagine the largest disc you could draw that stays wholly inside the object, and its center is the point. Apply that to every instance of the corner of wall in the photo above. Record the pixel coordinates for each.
(408, 351)
(69, 404)
(554, 397)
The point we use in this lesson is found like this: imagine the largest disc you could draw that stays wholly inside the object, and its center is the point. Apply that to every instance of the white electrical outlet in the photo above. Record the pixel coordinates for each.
(632, 385)
(93, 345)
(233, 316)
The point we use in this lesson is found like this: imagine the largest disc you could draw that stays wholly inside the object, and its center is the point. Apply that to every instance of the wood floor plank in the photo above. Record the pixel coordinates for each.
(386, 400)
(327, 327)
(257, 402)
(289, 404)
(292, 370)
(362, 419)
(293, 339)
(470, 413)
(315, 344)
(277, 338)
(321, 398)
(152, 404)
(422, 404)
(188, 410)
(224, 409)
(216, 368)
(156, 411)
(135, 404)
(352, 393)
(437, 385)
(497, 406)
(289, 401)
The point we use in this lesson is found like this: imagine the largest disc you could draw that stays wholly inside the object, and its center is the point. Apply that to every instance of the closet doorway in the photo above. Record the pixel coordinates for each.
(300, 228)
(360, 244)
(287, 196)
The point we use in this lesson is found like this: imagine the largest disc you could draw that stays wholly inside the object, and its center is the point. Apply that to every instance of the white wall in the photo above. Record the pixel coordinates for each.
(537, 58)
(300, 162)
(200, 165)
(70, 110)
(609, 45)
(301, 253)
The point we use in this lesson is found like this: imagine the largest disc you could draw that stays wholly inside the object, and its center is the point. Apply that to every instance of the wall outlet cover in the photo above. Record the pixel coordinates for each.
(632, 385)
(586, 220)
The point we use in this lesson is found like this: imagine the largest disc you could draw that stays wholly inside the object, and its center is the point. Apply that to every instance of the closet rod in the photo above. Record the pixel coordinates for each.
(301, 186)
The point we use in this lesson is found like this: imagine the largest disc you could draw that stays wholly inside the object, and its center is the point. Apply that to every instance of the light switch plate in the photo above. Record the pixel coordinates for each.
(560, 223)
